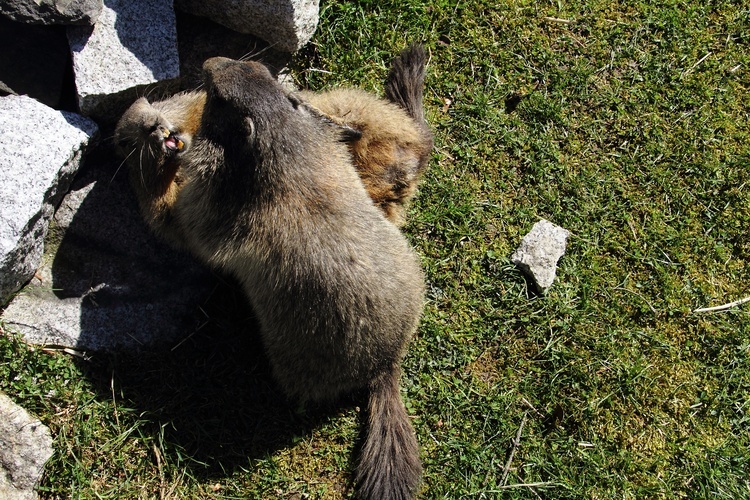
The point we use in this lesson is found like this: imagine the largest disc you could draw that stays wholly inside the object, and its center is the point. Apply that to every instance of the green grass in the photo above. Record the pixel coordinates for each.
(625, 122)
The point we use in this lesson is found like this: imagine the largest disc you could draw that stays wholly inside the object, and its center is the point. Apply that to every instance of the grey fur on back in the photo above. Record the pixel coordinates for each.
(272, 197)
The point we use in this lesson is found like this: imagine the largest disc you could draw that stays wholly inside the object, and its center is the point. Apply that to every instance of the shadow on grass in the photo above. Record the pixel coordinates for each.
(212, 394)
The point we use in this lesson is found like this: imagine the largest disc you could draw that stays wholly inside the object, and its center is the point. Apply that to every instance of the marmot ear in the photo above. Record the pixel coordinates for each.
(296, 101)
(349, 134)
(250, 128)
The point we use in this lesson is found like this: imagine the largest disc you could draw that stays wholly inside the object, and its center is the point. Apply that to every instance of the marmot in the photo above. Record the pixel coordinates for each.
(153, 148)
(269, 192)
(389, 139)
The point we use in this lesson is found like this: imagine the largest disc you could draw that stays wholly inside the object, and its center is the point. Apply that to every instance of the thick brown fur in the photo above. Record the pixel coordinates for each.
(389, 139)
(269, 192)
(394, 142)
(143, 136)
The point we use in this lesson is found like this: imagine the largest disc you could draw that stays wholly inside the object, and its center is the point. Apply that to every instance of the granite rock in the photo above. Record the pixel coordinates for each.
(286, 24)
(25, 446)
(40, 152)
(52, 11)
(132, 45)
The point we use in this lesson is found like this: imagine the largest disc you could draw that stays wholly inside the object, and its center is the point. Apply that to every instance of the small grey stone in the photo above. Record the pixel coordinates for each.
(52, 11)
(539, 252)
(286, 24)
(40, 152)
(25, 446)
(133, 44)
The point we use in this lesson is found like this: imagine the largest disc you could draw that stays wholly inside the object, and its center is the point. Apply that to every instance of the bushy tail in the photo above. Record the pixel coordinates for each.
(405, 82)
(389, 467)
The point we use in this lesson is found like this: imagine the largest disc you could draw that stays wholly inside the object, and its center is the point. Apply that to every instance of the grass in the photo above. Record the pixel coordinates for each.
(624, 122)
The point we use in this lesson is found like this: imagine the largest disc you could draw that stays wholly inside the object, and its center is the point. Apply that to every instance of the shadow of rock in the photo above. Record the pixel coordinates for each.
(199, 38)
(105, 283)
(24, 46)
(210, 399)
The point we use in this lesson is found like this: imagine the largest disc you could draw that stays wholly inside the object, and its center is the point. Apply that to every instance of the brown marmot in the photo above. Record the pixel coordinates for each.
(389, 139)
(269, 192)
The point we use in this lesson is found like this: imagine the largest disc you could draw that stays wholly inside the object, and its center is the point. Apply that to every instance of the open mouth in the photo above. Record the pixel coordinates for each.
(173, 143)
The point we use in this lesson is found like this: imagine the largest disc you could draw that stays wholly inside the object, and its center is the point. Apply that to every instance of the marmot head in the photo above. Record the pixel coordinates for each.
(148, 141)
(242, 95)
